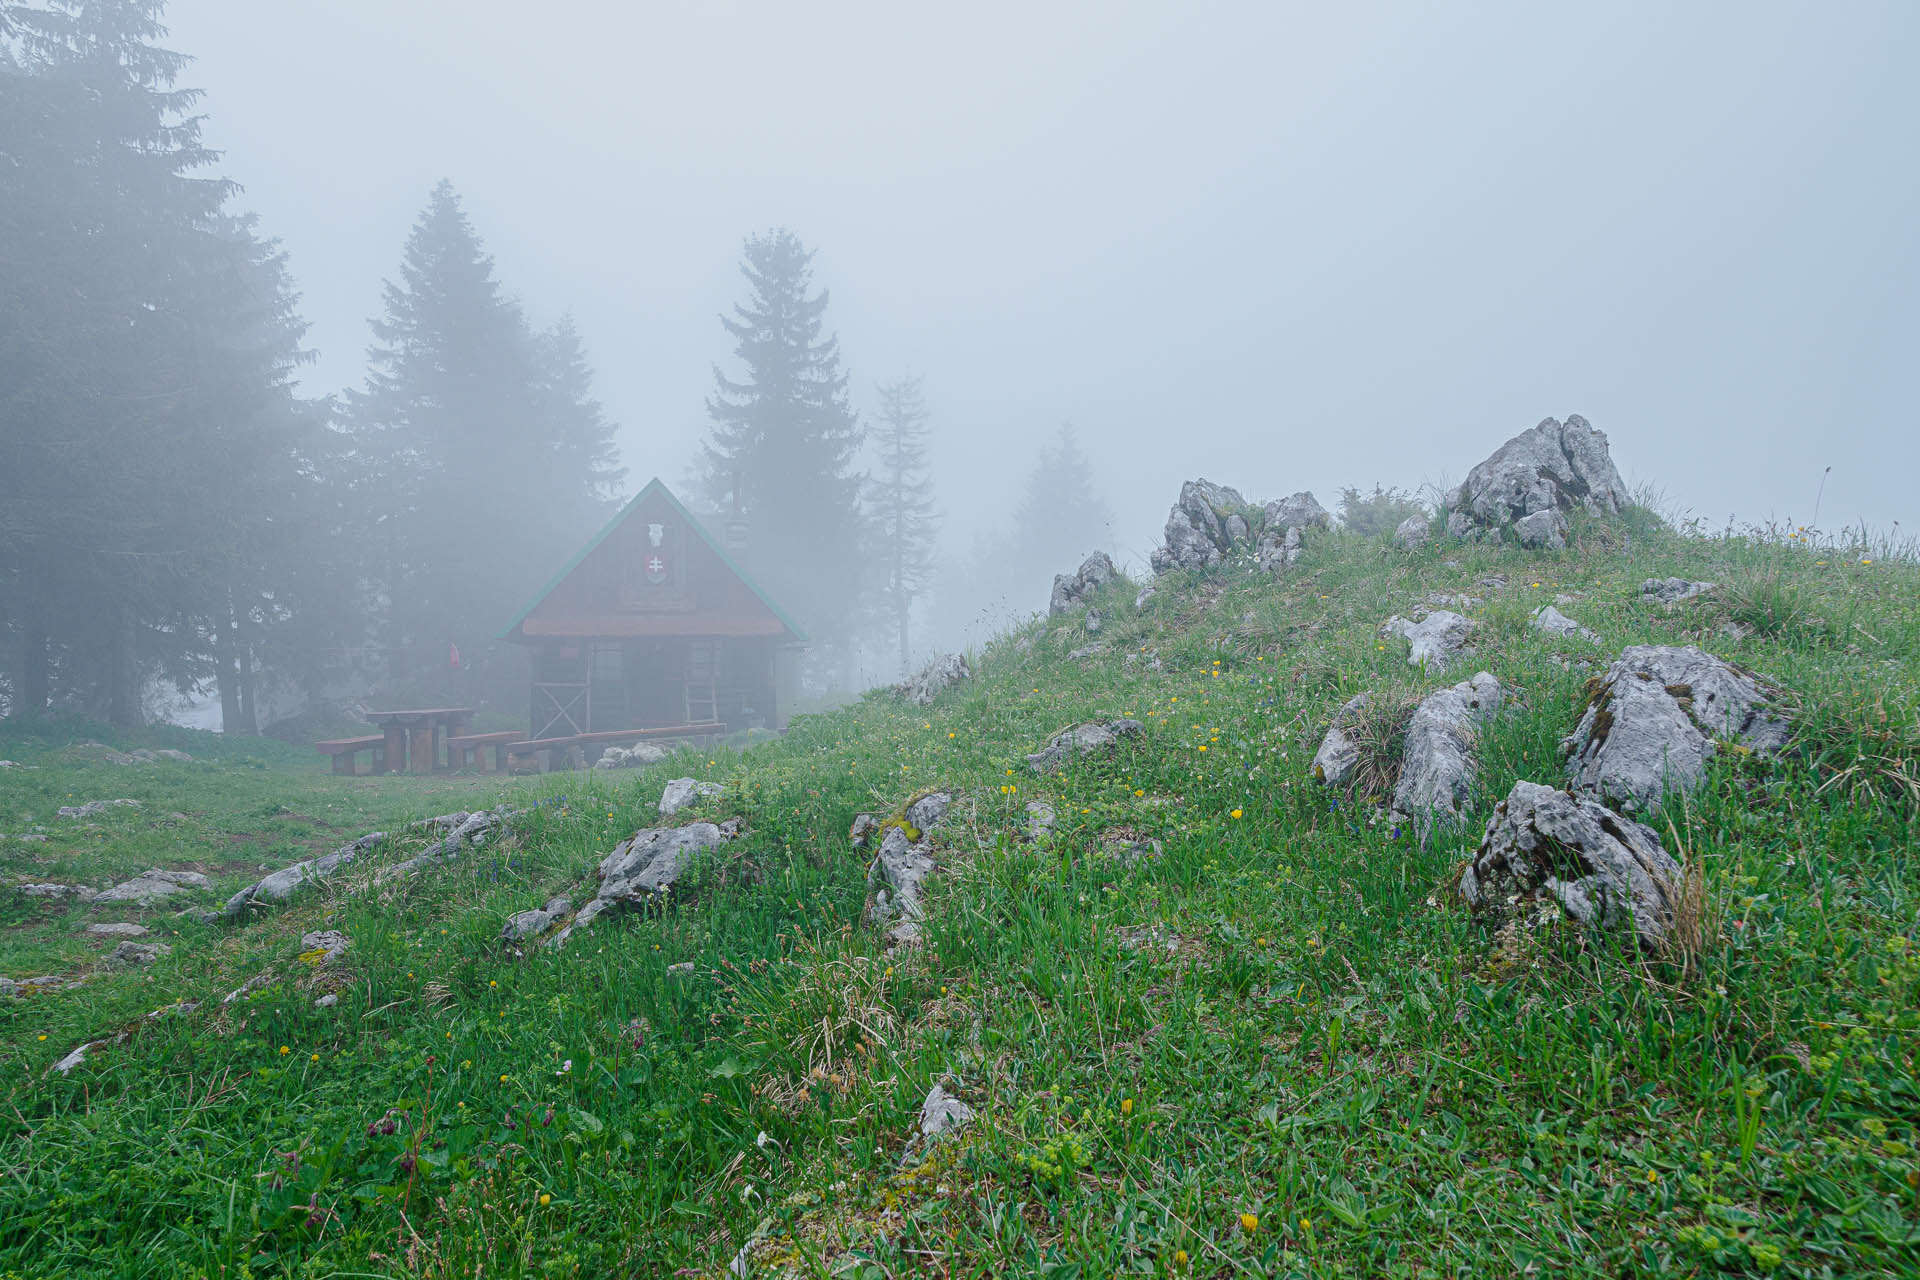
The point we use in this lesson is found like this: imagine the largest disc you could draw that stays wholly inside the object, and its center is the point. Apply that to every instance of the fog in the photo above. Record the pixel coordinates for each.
(1107, 248)
(1282, 246)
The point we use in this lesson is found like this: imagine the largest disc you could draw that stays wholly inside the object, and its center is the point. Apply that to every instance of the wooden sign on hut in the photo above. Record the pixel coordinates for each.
(654, 630)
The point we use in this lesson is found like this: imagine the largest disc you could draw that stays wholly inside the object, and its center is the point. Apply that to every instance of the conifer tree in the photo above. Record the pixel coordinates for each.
(783, 444)
(1060, 518)
(484, 460)
(902, 503)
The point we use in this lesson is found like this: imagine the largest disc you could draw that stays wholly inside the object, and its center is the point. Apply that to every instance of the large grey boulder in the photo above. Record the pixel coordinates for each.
(1438, 765)
(929, 810)
(324, 946)
(1533, 481)
(943, 1113)
(1211, 524)
(1655, 716)
(1602, 869)
(1434, 641)
(152, 886)
(1338, 751)
(1071, 590)
(1414, 532)
(1092, 738)
(645, 869)
(941, 673)
(681, 793)
(118, 929)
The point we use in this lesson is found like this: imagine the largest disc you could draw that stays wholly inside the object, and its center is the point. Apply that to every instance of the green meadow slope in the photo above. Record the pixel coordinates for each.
(1276, 1046)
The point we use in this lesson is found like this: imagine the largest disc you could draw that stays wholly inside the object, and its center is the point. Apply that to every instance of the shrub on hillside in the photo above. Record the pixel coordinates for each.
(1377, 513)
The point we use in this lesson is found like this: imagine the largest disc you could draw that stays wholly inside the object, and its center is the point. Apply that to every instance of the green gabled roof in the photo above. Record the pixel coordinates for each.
(654, 485)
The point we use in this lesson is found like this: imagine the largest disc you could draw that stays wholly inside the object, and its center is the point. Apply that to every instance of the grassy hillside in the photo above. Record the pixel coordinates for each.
(1277, 1047)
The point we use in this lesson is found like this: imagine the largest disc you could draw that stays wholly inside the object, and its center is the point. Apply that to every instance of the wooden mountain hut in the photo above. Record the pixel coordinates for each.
(655, 630)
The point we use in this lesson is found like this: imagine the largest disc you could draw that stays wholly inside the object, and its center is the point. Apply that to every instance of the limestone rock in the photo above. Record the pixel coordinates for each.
(943, 1113)
(1543, 530)
(532, 923)
(1415, 531)
(327, 1001)
(330, 943)
(94, 808)
(152, 885)
(120, 929)
(683, 792)
(1671, 591)
(941, 673)
(1211, 523)
(131, 955)
(1090, 738)
(1434, 641)
(1438, 765)
(1087, 651)
(1338, 752)
(1555, 623)
(1070, 590)
(1602, 869)
(927, 812)
(1040, 819)
(1655, 716)
(864, 825)
(637, 756)
(280, 885)
(646, 868)
(1145, 594)
(81, 892)
(1554, 467)
(896, 877)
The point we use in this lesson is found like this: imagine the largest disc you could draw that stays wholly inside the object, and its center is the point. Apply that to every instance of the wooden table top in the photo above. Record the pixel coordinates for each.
(424, 713)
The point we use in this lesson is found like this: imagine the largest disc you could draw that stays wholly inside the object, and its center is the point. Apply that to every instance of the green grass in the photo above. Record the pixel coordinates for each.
(1284, 1015)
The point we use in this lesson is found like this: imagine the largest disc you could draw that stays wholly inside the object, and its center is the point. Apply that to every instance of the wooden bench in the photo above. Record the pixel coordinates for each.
(471, 746)
(343, 751)
(541, 754)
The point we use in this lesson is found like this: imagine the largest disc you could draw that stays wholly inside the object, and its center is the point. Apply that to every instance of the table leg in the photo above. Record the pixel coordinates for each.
(396, 748)
(420, 750)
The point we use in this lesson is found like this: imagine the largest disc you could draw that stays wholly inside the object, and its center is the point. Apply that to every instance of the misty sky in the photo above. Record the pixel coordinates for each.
(1282, 246)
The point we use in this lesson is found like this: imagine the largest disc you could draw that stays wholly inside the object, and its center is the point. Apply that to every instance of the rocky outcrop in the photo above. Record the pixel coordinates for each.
(900, 870)
(280, 886)
(153, 885)
(1092, 738)
(940, 674)
(1600, 868)
(1040, 819)
(895, 879)
(1555, 623)
(118, 929)
(1414, 532)
(1072, 590)
(1211, 524)
(1671, 591)
(323, 946)
(94, 808)
(1530, 484)
(942, 1113)
(522, 925)
(682, 793)
(1338, 751)
(1438, 765)
(645, 869)
(79, 892)
(1653, 720)
(133, 955)
(1434, 641)
(637, 756)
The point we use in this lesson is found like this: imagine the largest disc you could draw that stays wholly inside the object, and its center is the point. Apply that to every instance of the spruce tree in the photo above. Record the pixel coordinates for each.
(483, 459)
(784, 441)
(113, 258)
(1060, 518)
(902, 503)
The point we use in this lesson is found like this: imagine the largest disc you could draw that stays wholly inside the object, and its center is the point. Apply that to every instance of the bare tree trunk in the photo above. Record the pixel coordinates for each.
(33, 691)
(123, 671)
(243, 659)
(225, 675)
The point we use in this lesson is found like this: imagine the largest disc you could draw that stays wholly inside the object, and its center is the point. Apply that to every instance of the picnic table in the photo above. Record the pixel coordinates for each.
(414, 737)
